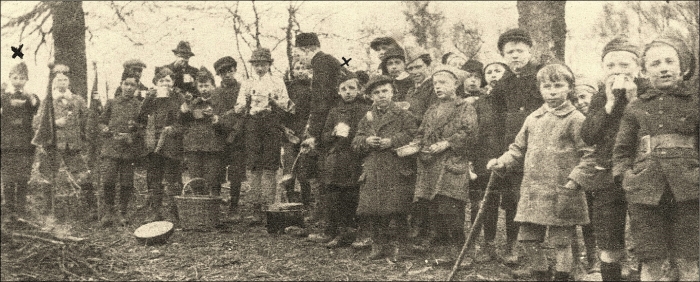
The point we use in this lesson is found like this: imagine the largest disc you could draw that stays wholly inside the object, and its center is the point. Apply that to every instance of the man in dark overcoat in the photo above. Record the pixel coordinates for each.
(184, 74)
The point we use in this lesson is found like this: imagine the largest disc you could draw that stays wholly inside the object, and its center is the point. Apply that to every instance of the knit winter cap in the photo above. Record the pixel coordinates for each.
(585, 83)
(460, 75)
(514, 35)
(474, 66)
(382, 41)
(20, 69)
(161, 72)
(375, 81)
(307, 39)
(620, 44)
(687, 60)
(345, 75)
(224, 62)
(204, 75)
(134, 63)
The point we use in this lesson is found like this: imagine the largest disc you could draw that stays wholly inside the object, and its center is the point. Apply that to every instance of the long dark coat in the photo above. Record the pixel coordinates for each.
(17, 132)
(299, 91)
(121, 116)
(446, 174)
(550, 147)
(202, 134)
(420, 98)
(387, 181)
(324, 91)
(342, 165)
(599, 130)
(515, 97)
(657, 146)
(158, 113)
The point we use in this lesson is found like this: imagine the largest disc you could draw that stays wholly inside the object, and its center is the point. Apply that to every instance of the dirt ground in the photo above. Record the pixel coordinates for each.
(235, 252)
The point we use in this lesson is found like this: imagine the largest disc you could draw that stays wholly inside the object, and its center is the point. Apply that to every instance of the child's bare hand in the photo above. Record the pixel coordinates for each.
(494, 164)
(373, 141)
(384, 143)
(572, 185)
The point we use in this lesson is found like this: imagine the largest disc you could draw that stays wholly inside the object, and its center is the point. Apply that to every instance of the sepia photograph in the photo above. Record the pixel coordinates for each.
(350, 140)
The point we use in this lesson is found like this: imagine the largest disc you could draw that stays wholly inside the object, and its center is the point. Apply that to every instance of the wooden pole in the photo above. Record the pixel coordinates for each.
(473, 232)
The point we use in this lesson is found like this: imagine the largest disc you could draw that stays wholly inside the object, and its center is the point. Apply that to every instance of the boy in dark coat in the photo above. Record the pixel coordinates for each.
(324, 95)
(135, 66)
(342, 166)
(203, 138)
(514, 97)
(486, 149)
(656, 158)
(387, 180)
(620, 60)
(122, 145)
(233, 156)
(159, 111)
(420, 96)
(17, 110)
(394, 63)
(299, 89)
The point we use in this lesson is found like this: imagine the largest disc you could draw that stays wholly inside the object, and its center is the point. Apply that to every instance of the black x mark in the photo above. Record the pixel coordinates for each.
(17, 52)
(345, 62)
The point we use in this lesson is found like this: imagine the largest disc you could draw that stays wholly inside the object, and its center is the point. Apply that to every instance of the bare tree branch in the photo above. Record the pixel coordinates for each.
(257, 26)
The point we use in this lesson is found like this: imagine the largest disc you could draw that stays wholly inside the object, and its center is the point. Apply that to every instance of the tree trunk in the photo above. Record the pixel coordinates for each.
(545, 21)
(69, 42)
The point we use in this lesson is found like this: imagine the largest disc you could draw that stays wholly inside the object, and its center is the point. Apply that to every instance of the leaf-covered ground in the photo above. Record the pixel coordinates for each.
(236, 252)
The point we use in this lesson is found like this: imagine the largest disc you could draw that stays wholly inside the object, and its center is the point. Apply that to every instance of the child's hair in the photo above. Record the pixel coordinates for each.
(161, 72)
(505, 67)
(20, 69)
(130, 74)
(346, 75)
(556, 72)
(204, 76)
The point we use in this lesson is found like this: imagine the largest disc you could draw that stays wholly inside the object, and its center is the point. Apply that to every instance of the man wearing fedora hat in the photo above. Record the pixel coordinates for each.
(184, 74)
(262, 96)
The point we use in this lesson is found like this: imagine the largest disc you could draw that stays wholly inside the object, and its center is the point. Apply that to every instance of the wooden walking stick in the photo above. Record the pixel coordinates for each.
(475, 228)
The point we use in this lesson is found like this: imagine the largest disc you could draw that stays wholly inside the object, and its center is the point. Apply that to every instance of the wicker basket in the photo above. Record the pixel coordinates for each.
(197, 212)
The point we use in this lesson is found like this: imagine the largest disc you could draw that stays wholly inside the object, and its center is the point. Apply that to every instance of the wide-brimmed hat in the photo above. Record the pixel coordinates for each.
(183, 48)
(261, 55)
(376, 80)
(224, 62)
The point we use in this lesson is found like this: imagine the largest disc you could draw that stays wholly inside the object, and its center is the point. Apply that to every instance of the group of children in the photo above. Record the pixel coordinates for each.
(401, 153)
